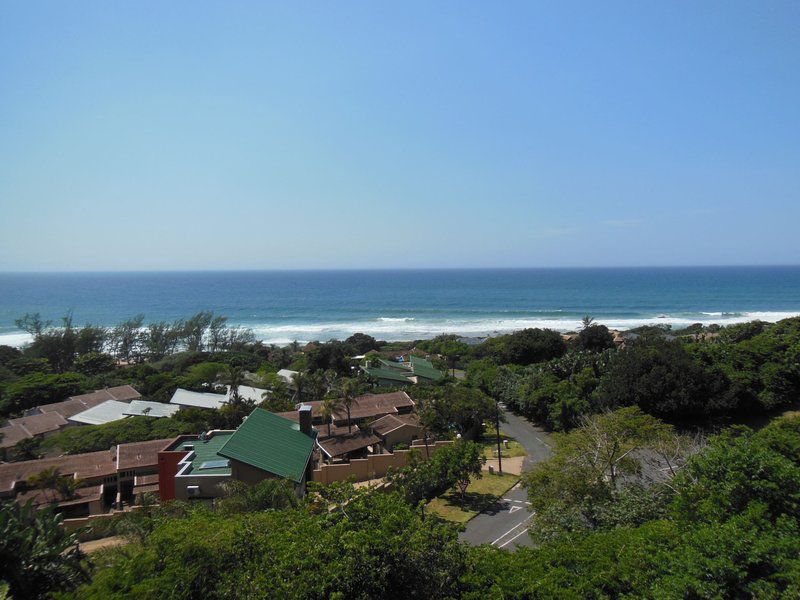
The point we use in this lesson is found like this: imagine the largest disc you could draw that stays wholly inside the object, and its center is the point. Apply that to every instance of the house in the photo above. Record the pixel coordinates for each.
(106, 412)
(264, 446)
(346, 446)
(287, 375)
(391, 373)
(76, 404)
(145, 408)
(191, 468)
(189, 399)
(120, 393)
(251, 394)
(368, 406)
(41, 425)
(397, 429)
(106, 478)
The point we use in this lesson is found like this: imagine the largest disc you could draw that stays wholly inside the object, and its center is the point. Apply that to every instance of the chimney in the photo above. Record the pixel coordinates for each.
(305, 419)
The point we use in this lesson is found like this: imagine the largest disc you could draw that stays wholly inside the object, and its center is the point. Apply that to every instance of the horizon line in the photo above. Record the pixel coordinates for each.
(385, 269)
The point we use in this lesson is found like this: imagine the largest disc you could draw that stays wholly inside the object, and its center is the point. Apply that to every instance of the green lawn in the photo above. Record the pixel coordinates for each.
(480, 494)
(489, 443)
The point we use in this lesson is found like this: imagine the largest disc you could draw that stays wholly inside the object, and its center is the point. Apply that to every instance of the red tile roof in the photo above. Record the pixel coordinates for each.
(12, 434)
(389, 423)
(40, 424)
(92, 465)
(339, 445)
(70, 407)
(140, 454)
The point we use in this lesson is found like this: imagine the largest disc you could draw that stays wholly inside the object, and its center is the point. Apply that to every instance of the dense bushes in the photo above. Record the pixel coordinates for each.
(90, 438)
(375, 546)
(41, 388)
(523, 347)
(716, 537)
(746, 369)
(450, 465)
(661, 378)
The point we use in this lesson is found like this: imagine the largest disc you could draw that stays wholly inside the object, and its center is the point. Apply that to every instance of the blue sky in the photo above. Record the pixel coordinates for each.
(236, 135)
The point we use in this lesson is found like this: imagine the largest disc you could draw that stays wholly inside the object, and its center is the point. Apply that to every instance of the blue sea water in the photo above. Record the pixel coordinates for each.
(281, 306)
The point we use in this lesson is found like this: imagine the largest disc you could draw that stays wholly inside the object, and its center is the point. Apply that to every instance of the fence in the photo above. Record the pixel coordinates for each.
(374, 466)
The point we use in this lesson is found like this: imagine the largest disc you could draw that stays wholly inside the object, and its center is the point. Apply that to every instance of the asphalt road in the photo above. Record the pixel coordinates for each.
(505, 523)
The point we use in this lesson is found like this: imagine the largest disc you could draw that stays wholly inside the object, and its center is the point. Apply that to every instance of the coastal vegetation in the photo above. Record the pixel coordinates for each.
(652, 489)
(725, 526)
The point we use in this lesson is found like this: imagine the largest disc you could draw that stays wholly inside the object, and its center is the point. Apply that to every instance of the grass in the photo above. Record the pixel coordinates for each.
(480, 495)
(489, 443)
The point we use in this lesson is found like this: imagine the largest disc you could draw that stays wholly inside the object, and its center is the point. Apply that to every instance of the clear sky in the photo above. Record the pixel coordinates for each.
(237, 135)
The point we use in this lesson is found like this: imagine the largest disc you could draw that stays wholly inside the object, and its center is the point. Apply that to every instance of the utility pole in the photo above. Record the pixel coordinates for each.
(499, 451)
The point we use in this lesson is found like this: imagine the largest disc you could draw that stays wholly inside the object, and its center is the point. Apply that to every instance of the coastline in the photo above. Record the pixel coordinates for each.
(404, 329)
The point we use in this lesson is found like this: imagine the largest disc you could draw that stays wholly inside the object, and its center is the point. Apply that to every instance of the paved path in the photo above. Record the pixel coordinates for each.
(505, 523)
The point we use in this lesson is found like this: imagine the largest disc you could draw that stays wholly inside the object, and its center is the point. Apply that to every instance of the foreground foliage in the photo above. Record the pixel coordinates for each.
(37, 556)
(378, 545)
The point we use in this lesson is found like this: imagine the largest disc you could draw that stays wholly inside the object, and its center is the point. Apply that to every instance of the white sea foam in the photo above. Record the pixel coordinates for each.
(421, 328)
(15, 339)
(408, 328)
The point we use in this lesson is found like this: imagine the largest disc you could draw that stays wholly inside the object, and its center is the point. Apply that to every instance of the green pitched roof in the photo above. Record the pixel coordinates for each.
(401, 367)
(270, 443)
(387, 374)
(424, 368)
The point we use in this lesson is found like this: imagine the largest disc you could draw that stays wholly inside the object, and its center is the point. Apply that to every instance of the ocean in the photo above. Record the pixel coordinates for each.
(281, 306)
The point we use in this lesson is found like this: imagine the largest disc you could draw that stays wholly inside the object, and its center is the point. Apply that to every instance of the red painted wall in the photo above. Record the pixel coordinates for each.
(167, 468)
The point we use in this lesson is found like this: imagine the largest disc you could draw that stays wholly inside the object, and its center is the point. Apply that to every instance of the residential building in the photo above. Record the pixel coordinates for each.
(105, 412)
(397, 429)
(146, 408)
(189, 399)
(393, 373)
(264, 446)
(106, 478)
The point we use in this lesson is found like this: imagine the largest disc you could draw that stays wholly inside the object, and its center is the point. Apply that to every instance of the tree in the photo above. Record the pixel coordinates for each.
(589, 468)
(299, 386)
(33, 324)
(270, 494)
(277, 397)
(233, 378)
(453, 351)
(94, 363)
(379, 546)
(524, 347)
(126, 339)
(456, 408)
(662, 379)
(330, 355)
(348, 390)
(37, 555)
(40, 388)
(362, 343)
(28, 449)
(330, 406)
(594, 338)
(162, 338)
(61, 487)
(449, 466)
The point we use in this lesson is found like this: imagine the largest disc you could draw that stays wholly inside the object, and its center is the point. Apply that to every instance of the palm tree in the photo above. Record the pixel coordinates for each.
(587, 322)
(234, 377)
(46, 480)
(348, 388)
(299, 385)
(317, 386)
(330, 406)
